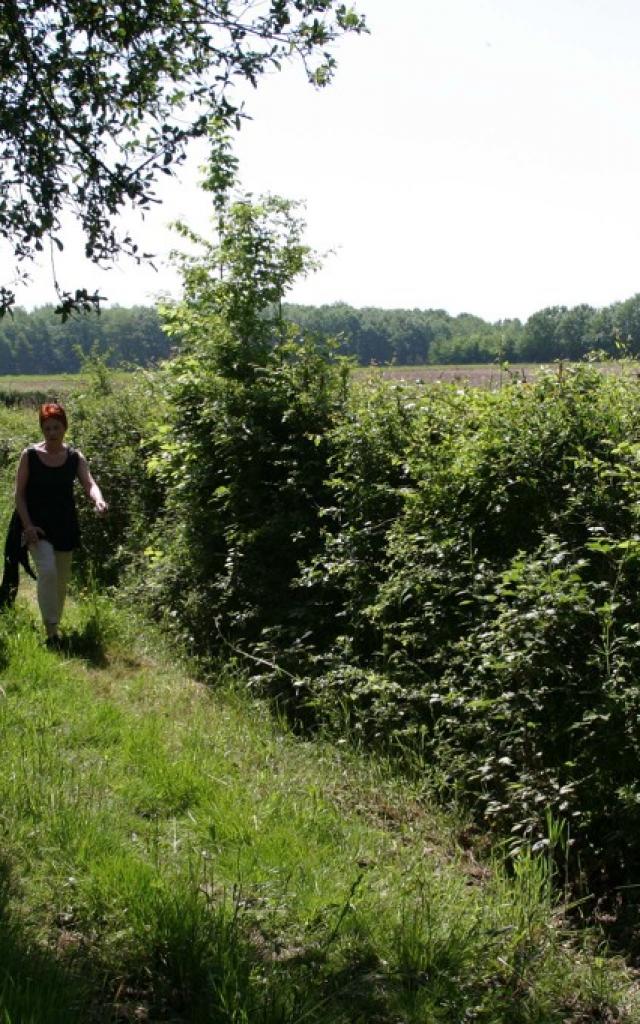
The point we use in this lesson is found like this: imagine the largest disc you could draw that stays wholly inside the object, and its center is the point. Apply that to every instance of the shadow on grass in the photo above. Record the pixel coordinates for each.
(192, 958)
(197, 968)
(35, 987)
(87, 644)
(197, 960)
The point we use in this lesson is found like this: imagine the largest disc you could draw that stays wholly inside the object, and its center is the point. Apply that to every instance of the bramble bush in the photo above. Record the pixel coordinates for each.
(243, 463)
(498, 605)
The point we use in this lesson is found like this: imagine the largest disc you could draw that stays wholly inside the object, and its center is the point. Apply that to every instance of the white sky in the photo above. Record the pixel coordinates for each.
(479, 156)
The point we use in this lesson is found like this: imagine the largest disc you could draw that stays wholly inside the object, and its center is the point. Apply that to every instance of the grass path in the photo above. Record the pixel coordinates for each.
(169, 853)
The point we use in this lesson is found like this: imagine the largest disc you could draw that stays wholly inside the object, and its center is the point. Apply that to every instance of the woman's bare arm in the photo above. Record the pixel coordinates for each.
(89, 485)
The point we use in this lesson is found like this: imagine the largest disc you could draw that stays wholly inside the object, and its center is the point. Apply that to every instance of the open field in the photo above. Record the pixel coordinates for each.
(485, 375)
(40, 382)
(30, 389)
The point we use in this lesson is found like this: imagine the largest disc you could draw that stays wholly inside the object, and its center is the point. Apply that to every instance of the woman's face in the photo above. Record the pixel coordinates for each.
(53, 431)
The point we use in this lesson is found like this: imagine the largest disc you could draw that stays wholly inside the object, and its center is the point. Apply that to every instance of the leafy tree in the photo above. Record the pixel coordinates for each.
(97, 99)
(539, 342)
(626, 323)
(574, 334)
(243, 453)
(400, 336)
(37, 342)
(604, 333)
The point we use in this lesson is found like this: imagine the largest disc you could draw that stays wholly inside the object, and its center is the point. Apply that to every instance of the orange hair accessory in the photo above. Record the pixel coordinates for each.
(53, 411)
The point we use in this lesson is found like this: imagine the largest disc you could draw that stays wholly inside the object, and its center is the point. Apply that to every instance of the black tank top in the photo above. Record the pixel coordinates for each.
(50, 501)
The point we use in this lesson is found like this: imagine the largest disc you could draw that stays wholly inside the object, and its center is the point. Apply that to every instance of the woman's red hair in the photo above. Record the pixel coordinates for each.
(53, 411)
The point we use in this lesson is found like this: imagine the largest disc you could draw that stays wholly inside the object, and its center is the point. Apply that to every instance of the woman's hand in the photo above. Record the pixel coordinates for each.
(100, 506)
(32, 534)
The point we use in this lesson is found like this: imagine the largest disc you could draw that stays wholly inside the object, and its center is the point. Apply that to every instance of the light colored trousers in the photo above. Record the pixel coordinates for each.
(53, 569)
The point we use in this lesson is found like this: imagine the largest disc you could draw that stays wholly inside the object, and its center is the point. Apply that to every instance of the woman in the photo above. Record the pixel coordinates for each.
(46, 506)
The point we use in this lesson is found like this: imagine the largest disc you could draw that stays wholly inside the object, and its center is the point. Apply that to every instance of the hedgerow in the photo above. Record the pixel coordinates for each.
(448, 572)
(493, 622)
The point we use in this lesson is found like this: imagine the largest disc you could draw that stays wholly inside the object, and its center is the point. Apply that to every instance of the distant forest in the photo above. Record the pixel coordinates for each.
(38, 342)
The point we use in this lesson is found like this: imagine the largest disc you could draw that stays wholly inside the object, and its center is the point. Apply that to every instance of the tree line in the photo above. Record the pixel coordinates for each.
(414, 337)
(39, 342)
(450, 573)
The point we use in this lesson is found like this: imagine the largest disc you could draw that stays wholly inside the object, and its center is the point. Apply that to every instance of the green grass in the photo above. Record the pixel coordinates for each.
(171, 852)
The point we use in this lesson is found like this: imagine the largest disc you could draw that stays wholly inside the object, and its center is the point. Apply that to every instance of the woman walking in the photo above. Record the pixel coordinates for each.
(46, 507)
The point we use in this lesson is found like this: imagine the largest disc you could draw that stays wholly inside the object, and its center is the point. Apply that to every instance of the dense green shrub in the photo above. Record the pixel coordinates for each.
(17, 429)
(243, 463)
(366, 491)
(447, 570)
(243, 452)
(537, 709)
(480, 570)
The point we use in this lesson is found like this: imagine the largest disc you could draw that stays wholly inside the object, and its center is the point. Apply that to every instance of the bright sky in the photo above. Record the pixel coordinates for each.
(479, 156)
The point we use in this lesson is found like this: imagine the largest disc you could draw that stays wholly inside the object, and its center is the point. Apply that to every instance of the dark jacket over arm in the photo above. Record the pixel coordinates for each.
(15, 555)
